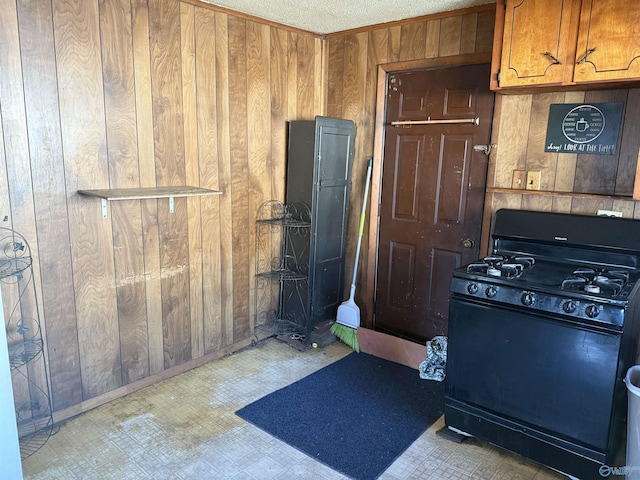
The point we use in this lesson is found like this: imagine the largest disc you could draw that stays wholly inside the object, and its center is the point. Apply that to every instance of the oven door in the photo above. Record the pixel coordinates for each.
(549, 374)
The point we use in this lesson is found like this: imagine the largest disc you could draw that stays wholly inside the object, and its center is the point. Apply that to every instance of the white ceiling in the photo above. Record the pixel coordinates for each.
(328, 16)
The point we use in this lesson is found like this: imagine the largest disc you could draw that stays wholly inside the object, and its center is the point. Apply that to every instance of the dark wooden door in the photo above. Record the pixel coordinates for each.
(433, 185)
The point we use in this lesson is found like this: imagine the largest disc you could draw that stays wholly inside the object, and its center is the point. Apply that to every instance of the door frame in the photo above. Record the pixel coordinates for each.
(384, 70)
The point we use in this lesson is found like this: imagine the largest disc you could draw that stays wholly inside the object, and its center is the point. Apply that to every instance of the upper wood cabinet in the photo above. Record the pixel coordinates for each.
(534, 43)
(558, 43)
(608, 41)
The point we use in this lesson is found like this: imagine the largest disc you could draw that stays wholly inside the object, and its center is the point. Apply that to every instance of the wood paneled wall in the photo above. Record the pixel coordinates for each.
(143, 93)
(570, 183)
(353, 59)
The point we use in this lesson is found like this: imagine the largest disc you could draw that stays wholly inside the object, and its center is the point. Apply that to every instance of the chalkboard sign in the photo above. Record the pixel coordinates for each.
(586, 128)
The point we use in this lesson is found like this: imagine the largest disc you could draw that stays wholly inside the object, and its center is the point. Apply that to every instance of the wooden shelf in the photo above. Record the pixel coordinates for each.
(114, 194)
(594, 196)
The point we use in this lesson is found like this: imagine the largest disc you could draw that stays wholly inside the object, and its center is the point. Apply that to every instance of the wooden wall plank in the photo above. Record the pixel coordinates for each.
(469, 33)
(319, 76)
(279, 94)
(336, 75)
(377, 54)
(597, 173)
(305, 98)
(45, 151)
(241, 217)
(147, 173)
(484, 32)
(537, 202)
(279, 108)
(627, 207)
(18, 174)
(512, 151)
(15, 141)
(450, 35)
(259, 128)
(537, 158)
(190, 112)
(5, 204)
(83, 138)
(126, 219)
(166, 71)
(395, 34)
(206, 78)
(355, 80)
(629, 145)
(566, 164)
(354, 103)
(224, 176)
(292, 77)
(432, 47)
(561, 205)
(413, 39)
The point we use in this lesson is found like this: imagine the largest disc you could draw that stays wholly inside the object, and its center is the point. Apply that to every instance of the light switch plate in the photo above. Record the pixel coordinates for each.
(533, 180)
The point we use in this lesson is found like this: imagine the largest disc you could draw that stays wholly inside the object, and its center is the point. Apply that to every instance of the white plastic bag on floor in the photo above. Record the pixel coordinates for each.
(433, 368)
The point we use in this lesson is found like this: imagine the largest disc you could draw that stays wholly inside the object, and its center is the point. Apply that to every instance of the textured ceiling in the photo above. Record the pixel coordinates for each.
(328, 16)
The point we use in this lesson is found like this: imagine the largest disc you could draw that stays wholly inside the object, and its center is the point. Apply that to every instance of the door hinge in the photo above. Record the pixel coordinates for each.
(393, 84)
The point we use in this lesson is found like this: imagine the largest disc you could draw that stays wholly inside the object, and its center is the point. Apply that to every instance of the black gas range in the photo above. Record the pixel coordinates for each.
(541, 333)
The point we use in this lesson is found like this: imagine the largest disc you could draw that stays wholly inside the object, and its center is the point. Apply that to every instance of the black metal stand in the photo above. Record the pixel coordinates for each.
(281, 274)
(34, 413)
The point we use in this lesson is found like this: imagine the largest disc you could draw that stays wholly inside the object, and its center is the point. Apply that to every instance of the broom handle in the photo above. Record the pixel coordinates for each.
(364, 209)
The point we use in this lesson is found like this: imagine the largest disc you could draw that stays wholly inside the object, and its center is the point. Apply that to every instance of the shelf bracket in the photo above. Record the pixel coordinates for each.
(104, 207)
(171, 205)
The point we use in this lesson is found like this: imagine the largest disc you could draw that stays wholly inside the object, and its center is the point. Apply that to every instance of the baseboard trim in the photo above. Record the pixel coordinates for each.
(395, 349)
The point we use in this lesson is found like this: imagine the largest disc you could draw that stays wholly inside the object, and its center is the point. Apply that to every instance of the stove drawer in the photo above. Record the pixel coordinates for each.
(553, 375)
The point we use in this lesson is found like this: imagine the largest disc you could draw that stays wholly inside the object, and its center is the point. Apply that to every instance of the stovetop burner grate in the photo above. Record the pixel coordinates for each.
(596, 281)
(501, 266)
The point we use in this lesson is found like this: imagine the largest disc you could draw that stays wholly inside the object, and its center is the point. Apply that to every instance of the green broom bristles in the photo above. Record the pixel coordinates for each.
(347, 334)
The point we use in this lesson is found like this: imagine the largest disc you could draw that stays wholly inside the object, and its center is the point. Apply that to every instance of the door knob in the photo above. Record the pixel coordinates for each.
(468, 243)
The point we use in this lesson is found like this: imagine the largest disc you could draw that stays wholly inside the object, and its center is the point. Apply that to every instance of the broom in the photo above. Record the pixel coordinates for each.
(348, 316)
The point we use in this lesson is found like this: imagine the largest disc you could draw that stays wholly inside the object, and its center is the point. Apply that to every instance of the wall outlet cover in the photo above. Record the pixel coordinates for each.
(519, 180)
(610, 213)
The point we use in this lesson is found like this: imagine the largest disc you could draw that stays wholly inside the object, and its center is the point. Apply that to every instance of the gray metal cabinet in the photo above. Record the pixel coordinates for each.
(320, 155)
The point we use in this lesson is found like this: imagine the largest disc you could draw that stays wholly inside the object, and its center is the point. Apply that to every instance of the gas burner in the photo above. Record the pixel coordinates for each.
(501, 266)
(597, 281)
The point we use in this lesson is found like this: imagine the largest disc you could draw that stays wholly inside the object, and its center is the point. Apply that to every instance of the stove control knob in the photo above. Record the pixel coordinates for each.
(528, 298)
(472, 288)
(592, 311)
(491, 292)
(569, 306)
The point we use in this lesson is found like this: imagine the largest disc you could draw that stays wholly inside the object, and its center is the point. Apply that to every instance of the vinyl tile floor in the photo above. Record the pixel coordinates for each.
(186, 428)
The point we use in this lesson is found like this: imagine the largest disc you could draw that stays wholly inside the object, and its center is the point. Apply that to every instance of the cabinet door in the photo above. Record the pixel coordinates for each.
(608, 41)
(535, 42)
(334, 146)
